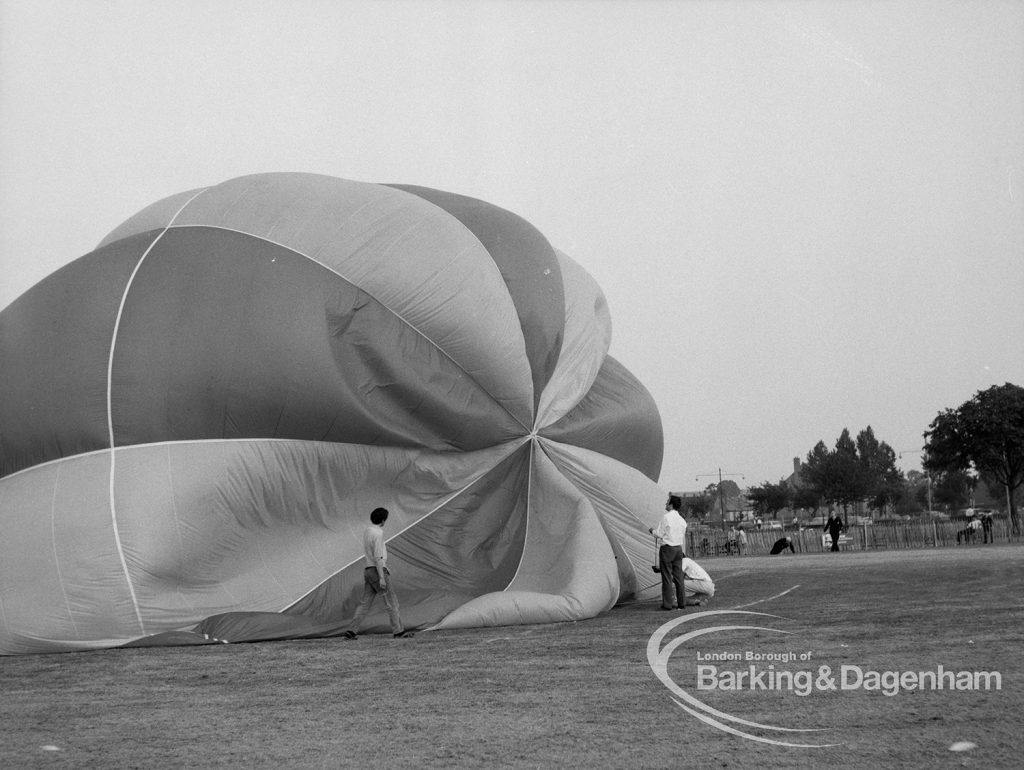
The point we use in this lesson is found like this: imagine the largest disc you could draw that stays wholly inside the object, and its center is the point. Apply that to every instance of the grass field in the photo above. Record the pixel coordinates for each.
(567, 694)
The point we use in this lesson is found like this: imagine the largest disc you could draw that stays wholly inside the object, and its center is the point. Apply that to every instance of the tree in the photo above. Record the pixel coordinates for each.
(952, 489)
(768, 499)
(806, 498)
(697, 507)
(916, 492)
(984, 435)
(836, 476)
(855, 470)
(817, 472)
(851, 484)
(884, 481)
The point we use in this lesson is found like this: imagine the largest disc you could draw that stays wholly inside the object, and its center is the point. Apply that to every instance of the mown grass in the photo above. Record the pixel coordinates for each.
(560, 695)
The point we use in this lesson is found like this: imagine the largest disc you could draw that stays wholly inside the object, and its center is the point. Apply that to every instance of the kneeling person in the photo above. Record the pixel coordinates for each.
(699, 585)
(782, 544)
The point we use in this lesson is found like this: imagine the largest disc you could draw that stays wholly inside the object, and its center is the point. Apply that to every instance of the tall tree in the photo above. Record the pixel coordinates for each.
(884, 481)
(952, 489)
(853, 471)
(817, 472)
(917, 495)
(984, 435)
(851, 483)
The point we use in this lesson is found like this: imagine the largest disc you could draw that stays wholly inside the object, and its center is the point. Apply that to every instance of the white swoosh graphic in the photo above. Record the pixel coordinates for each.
(658, 657)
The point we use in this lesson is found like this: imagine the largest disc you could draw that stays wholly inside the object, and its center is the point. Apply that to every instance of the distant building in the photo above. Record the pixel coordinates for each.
(794, 480)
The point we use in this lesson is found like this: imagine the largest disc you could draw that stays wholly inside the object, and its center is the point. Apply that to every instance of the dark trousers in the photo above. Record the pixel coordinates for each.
(670, 559)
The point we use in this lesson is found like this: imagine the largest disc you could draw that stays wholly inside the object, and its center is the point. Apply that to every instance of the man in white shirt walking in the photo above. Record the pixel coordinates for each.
(376, 578)
(671, 533)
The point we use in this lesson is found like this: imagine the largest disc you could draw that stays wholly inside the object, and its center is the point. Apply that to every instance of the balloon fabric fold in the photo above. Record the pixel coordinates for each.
(197, 417)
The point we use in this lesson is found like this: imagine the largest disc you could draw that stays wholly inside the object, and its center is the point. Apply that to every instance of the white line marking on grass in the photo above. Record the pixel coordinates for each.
(656, 584)
(733, 574)
(759, 601)
(474, 645)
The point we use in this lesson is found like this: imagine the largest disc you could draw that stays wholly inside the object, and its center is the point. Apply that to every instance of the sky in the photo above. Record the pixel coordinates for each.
(805, 216)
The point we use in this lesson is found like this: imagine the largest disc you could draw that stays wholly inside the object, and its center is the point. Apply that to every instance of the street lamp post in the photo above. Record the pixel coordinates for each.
(721, 492)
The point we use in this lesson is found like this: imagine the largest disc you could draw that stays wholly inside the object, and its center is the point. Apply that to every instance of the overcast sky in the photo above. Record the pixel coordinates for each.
(805, 215)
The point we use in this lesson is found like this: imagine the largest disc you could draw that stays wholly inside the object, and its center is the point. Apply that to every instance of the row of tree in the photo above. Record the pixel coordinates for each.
(979, 443)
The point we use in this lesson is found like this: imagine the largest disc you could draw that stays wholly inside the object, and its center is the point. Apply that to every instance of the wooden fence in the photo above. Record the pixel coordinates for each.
(706, 543)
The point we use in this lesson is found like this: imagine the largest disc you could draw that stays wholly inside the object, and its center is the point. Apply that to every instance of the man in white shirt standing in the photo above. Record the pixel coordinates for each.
(376, 578)
(671, 533)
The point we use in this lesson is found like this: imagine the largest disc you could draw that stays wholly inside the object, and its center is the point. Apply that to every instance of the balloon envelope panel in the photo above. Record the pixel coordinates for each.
(198, 416)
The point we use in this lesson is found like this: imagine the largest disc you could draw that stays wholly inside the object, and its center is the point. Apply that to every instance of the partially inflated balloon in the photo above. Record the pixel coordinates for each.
(197, 418)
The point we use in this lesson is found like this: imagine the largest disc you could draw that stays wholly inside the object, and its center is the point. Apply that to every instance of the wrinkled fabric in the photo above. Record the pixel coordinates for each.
(197, 417)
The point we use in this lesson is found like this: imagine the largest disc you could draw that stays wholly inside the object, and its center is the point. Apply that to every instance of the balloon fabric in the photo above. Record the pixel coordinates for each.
(197, 417)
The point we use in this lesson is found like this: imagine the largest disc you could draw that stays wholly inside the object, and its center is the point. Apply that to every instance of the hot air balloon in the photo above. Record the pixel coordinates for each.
(197, 417)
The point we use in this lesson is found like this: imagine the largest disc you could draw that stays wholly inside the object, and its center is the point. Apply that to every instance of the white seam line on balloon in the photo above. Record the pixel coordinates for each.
(177, 525)
(56, 557)
(384, 305)
(547, 414)
(110, 413)
(534, 400)
(514, 446)
(546, 443)
(529, 500)
(183, 442)
(518, 443)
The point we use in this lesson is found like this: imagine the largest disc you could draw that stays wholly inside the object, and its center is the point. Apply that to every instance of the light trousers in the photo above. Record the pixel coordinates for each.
(371, 587)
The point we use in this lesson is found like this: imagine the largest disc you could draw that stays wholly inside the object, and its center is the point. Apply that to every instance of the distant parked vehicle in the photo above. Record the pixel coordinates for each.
(936, 515)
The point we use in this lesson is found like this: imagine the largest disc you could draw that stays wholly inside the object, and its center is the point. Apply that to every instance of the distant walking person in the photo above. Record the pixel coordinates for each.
(741, 541)
(671, 533)
(834, 527)
(377, 578)
(782, 544)
(986, 527)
